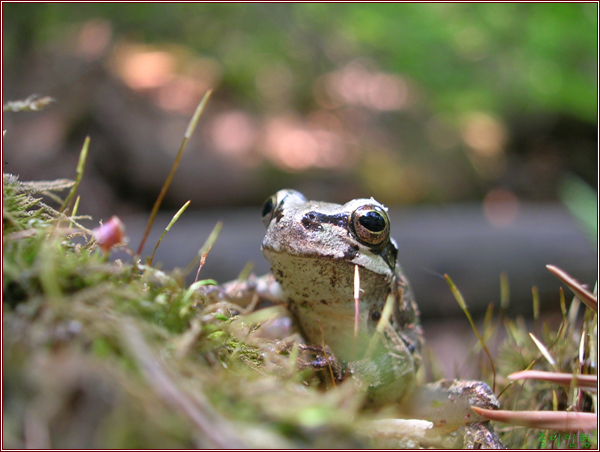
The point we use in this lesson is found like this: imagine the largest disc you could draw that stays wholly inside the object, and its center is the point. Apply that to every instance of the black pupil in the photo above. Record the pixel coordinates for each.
(267, 207)
(373, 221)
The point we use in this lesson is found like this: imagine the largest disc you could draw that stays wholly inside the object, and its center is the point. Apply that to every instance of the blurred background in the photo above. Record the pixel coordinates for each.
(475, 123)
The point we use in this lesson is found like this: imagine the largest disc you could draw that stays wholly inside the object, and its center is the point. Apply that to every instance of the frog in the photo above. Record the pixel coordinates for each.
(315, 249)
(336, 269)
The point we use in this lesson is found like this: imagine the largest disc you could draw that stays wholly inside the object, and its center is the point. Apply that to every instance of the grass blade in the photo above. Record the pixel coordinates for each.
(583, 381)
(542, 348)
(536, 303)
(564, 421)
(190, 129)
(168, 228)
(582, 293)
(504, 291)
(80, 166)
(210, 241)
(461, 302)
(356, 307)
(383, 322)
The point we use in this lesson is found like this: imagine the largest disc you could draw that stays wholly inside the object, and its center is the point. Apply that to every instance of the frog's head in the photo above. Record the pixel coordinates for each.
(357, 232)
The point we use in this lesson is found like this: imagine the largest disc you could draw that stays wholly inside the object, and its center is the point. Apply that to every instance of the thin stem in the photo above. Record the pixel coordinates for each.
(167, 184)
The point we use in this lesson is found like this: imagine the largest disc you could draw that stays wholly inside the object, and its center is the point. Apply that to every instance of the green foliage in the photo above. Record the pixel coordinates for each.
(504, 58)
(572, 350)
(517, 353)
(582, 202)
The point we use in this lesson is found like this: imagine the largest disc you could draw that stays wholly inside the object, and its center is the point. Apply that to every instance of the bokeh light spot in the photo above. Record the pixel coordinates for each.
(233, 133)
(94, 37)
(484, 134)
(500, 207)
(356, 84)
(144, 70)
(296, 146)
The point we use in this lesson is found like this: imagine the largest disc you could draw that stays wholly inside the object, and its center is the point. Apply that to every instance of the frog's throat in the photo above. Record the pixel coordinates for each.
(320, 293)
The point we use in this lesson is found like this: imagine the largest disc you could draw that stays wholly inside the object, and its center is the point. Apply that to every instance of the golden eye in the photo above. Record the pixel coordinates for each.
(370, 225)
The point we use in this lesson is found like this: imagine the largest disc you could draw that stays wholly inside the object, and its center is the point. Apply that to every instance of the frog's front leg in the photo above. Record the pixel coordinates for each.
(447, 403)
(319, 359)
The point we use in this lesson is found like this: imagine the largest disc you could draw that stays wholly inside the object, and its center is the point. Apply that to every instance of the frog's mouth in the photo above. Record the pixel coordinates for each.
(328, 274)
(344, 257)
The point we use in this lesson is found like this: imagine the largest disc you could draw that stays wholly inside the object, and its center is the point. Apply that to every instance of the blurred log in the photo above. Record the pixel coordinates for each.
(454, 239)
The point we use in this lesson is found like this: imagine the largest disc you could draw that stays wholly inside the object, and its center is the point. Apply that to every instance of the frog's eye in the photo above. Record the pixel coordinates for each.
(273, 206)
(370, 225)
(268, 209)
